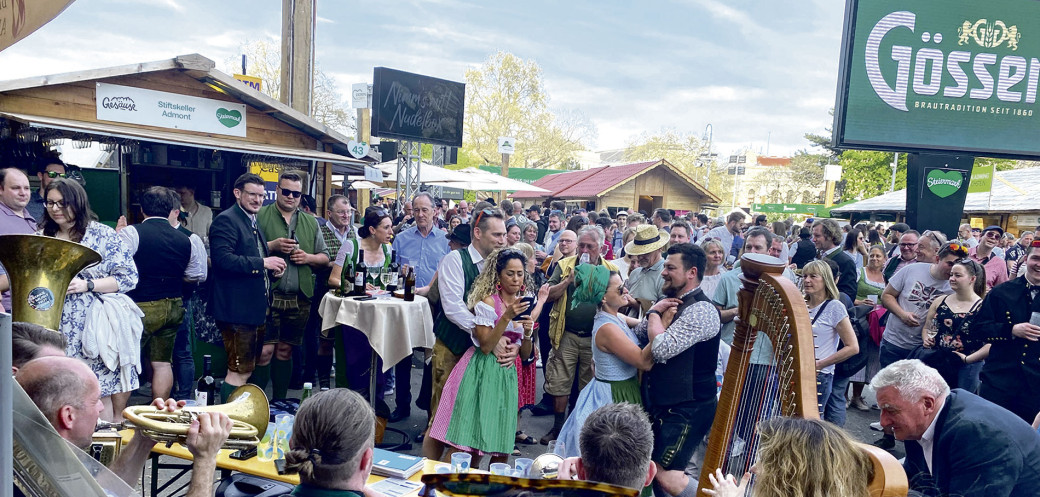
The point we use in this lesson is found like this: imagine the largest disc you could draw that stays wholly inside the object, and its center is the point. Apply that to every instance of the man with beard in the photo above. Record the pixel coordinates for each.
(645, 282)
(679, 391)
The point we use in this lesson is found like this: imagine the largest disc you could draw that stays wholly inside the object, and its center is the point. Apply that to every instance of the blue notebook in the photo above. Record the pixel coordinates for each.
(386, 463)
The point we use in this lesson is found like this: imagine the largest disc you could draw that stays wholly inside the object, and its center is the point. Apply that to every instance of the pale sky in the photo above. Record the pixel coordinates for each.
(758, 71)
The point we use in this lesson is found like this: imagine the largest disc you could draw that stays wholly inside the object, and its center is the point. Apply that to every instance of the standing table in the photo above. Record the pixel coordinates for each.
(393, 326)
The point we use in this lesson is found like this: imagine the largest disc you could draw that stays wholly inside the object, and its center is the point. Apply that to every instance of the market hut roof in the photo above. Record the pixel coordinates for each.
(599, 181)
(1017, 190)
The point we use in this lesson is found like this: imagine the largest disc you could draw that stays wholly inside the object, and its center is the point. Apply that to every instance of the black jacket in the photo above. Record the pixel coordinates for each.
(1013, 365)
(847, 277)
(239, 291)
(979, 449)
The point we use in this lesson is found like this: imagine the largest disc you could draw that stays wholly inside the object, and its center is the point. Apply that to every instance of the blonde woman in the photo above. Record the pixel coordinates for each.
(713, 269)
(830, 321)
(804, 457)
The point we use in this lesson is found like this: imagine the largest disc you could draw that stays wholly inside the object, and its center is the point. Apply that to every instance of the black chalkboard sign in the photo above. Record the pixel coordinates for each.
(419, 108)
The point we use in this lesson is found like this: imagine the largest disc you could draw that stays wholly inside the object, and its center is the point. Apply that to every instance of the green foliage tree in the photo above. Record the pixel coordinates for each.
(506, 97)
(263, 60)
(867, 173)
(685, 151)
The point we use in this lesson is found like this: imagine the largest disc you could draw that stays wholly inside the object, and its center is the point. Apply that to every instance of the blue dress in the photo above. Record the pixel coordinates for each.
(615, 381)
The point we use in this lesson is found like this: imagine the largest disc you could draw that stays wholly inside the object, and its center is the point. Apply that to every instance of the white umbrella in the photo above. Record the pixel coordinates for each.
(480, 179)
(428, 174)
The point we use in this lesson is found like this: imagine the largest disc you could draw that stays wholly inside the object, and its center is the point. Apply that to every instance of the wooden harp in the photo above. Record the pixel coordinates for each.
(772, 372)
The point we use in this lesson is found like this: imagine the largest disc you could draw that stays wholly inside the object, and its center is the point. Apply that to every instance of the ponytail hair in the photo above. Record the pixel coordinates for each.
(331, 432)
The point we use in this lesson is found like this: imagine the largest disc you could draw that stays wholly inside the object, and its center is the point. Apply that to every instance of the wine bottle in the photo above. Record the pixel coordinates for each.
(409, 285)
(395, 268)
(360, 274)
(206, 387)
(346, 281)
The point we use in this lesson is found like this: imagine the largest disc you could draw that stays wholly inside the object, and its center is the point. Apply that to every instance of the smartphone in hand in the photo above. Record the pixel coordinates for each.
(527, 312)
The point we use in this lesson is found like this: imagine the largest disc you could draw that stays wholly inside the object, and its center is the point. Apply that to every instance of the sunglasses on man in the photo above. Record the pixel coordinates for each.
(55, 174)
(291, 193)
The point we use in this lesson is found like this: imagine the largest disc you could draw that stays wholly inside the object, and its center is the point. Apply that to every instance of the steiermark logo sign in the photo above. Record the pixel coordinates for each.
(229, 118)
(944, 183)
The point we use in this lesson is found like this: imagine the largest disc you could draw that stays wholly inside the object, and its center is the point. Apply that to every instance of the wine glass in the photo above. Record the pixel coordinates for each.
(385, 277)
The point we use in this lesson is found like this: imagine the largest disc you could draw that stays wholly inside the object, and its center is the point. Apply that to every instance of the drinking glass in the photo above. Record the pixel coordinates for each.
(265, 450)
(460, 462)
(523, 466)
(500, 468)
(555, 447)
(384, 276)
(283, 431)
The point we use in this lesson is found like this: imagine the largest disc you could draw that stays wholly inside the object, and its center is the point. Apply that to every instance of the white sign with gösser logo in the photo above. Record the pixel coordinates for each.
(126, 104)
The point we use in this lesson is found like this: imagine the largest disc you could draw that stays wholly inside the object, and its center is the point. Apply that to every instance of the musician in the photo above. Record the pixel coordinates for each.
(292, 235)
(241, 288)
(15, 216)
(331, 445)
(1011, 374)
(615, 444)
(29, 341)
(800, 457)
(68, 394)
(956, 442)
(679, 392)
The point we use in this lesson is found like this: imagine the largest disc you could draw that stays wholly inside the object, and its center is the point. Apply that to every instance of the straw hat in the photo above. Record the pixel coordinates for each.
(648, 239)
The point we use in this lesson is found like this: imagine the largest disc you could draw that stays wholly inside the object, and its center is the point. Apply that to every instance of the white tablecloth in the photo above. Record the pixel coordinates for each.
(393, 326)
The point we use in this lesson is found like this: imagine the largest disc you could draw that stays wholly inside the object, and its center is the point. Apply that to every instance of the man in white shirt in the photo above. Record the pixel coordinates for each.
(454, 327)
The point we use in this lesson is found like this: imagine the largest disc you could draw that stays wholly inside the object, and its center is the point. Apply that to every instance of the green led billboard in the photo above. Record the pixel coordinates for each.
(942, 76)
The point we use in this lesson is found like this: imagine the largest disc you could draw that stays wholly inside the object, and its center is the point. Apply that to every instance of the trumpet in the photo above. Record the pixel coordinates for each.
(247, 407)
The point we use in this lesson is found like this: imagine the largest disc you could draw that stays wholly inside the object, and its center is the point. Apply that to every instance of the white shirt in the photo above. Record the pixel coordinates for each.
(452, 287)
(927, 440)
(196, 270)
(343, 237)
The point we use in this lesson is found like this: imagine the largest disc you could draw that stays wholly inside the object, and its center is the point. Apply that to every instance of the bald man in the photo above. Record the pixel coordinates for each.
(68, 394)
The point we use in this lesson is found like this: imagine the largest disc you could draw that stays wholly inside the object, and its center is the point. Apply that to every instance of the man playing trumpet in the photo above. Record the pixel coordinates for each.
(68, 394)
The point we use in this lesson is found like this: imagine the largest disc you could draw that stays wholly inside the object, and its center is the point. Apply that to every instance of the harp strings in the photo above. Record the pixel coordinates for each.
(766, 390)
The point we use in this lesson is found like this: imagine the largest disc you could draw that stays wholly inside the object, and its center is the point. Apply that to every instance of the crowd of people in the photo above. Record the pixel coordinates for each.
(630, 316)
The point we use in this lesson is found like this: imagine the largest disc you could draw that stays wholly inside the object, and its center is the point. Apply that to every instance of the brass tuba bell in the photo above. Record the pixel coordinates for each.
(40, 269)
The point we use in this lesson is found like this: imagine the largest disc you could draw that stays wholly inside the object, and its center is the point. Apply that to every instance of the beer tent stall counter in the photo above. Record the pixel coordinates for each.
(167, 122)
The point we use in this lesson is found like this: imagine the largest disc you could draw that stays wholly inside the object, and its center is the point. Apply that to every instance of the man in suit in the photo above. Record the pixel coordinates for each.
(826, 235)
(241, 288)
(1011, 375)
(956, 442)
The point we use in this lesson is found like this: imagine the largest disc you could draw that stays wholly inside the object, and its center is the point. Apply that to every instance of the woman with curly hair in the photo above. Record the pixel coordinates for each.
(804, 457)
(478, 407)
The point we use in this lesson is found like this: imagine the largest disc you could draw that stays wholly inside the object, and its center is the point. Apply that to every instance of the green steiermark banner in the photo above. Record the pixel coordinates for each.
(981, 178)
(941, 76)
(811, 209)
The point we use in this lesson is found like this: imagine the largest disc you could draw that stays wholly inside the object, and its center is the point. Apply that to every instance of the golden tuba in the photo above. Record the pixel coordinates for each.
(247, 407)
(40, 269)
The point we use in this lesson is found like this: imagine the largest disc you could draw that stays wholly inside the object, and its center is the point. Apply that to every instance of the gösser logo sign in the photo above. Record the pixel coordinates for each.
(940, 76)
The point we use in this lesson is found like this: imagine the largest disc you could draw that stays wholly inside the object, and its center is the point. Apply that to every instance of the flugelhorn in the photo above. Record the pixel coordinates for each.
(40, 269)
(247, 407)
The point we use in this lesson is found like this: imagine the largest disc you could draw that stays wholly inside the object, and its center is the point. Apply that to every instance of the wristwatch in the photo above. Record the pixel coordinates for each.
(653, 311)
(90, 285)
